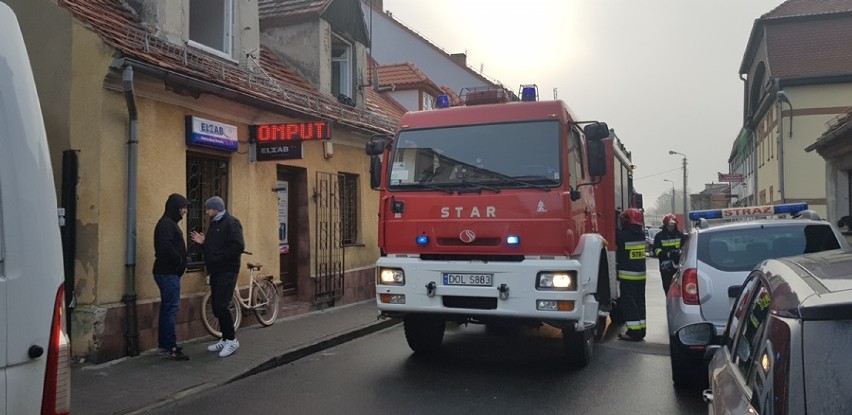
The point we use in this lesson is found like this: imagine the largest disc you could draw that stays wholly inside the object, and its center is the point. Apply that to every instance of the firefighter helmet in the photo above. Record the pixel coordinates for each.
(632, 216)
(670, 218)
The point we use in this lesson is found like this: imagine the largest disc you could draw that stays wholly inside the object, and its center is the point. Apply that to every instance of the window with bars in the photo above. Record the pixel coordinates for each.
(348, 191)
(206, 176)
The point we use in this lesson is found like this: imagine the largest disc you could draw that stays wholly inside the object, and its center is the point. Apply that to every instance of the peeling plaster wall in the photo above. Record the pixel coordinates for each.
(299, 46)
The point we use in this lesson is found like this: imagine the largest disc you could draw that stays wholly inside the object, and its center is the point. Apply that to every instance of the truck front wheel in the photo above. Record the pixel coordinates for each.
(578, 346)
(424, 333)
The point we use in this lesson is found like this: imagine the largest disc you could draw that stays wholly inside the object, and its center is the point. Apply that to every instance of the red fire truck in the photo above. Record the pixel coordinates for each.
(499, 211)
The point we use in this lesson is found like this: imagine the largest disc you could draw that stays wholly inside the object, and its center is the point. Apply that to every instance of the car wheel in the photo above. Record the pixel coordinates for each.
(686, 372)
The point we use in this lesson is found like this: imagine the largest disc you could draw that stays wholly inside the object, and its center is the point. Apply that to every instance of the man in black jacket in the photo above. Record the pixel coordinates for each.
(667, 247)
(169, 266)
(222, 246)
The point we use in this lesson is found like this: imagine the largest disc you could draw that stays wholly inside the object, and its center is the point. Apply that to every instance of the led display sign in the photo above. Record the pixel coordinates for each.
(284, 141)
(297, 131)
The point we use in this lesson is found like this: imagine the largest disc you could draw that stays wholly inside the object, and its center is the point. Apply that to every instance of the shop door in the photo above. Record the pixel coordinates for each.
(288, 232)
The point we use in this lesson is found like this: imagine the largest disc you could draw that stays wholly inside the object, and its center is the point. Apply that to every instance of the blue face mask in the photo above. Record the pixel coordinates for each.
(219, 216)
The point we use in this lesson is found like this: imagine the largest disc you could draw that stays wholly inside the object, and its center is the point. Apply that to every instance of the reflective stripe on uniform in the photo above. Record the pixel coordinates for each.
(631, 275)
(636, 325)
(670, 243)
(635, 250)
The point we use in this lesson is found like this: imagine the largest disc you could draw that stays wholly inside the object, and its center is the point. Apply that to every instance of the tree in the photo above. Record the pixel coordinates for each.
(663, 204)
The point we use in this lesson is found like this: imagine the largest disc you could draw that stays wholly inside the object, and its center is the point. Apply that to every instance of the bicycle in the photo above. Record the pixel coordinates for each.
(262, 299)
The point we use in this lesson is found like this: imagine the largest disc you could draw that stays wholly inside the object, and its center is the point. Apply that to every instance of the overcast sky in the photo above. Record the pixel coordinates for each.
(663, 73)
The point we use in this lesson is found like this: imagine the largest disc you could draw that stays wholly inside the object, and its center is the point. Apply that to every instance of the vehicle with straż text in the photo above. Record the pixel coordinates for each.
(716, 260)
(499, 212)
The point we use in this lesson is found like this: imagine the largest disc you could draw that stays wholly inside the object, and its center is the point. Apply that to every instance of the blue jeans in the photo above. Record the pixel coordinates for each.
(169, 301)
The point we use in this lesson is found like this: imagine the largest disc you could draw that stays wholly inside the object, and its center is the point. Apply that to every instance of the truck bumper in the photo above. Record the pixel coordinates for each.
(512, 294)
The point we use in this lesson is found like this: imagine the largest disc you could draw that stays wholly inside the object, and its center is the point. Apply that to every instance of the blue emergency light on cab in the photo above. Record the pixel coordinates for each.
(442, 101)
(529, 93)
(748, 211)
(512, 240)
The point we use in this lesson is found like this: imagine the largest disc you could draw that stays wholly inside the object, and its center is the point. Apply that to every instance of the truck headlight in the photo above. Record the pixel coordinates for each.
(556, 280)
(391, 276)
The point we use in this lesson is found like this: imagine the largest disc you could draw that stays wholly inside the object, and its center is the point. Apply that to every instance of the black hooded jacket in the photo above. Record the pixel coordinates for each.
(224, 245)
(169, 245)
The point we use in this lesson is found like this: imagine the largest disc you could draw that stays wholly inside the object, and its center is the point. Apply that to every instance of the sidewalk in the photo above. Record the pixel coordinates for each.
(134, 385)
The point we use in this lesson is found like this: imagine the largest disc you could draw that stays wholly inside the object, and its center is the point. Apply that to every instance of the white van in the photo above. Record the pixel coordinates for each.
(34, 348)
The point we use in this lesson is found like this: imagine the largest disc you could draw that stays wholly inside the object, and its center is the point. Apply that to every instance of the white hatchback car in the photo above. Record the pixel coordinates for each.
(717, 259)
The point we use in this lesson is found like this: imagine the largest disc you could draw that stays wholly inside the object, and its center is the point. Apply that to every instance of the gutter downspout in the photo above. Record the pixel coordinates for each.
(129, 298)
(780, 108)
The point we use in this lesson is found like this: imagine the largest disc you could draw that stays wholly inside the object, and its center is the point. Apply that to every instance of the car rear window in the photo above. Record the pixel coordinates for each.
(828, 369)
(743, 248)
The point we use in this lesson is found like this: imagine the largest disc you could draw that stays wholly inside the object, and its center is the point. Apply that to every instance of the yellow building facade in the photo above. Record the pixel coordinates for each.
(91, 79)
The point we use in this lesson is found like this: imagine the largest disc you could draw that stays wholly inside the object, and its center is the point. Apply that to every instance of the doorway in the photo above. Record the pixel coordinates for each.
(293, 237)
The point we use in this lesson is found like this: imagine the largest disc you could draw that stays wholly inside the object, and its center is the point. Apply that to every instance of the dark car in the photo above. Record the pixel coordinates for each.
(785, 349)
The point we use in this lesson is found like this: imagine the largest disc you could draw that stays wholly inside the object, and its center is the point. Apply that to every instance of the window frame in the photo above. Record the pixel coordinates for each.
(344, 70)
(227, 31)
(198, 193)
(349, 202)
(755, 343)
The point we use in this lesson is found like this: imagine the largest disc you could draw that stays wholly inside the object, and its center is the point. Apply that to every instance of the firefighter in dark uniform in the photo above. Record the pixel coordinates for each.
(630, 262)
(667, 248)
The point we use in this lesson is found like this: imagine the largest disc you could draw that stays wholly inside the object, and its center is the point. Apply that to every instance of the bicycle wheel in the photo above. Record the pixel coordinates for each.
(210, 322)
(265, 302)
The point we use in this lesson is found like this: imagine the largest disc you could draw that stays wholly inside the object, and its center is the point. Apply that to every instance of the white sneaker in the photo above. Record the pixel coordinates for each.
(218, 346)
(230, 347)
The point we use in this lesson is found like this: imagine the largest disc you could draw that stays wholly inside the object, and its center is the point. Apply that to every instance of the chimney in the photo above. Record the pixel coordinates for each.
(459, 58)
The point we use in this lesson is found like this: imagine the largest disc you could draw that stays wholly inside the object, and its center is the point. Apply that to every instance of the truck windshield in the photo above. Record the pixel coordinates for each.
(491, 156)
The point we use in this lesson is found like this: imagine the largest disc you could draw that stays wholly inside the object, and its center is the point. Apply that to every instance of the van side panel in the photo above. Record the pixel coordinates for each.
(30, 251)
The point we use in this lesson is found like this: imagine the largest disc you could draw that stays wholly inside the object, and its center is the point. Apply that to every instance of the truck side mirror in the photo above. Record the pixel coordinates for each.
(375, 172)
(374, 148)
(596, 131)
(377, 145)
(596, 154)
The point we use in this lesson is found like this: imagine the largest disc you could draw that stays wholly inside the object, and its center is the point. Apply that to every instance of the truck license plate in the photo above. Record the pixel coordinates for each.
(480, 280)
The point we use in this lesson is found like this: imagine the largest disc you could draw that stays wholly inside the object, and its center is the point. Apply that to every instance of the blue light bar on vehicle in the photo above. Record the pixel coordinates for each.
(512, 240)
(442, 101)
(422, 240)
(529, 93)
(748, 211)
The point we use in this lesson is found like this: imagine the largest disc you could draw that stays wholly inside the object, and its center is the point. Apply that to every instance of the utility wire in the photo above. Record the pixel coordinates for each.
(655, 174)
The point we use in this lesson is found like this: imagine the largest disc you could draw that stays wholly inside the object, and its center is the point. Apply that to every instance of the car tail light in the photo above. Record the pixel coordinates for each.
(57, 378)
(689, 286)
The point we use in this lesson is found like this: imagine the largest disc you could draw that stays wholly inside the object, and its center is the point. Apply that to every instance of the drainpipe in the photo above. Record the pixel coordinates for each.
(129, 298)
(780, 97)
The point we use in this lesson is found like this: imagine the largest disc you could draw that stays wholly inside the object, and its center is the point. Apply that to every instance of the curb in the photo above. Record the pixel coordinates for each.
(294, 354)
(304, 351)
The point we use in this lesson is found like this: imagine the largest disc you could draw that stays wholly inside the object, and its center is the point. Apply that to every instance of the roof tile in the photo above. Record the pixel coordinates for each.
(268, 9)
(276, 82)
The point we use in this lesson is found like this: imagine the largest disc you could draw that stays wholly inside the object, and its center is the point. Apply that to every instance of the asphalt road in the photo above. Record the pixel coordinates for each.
(478, 372)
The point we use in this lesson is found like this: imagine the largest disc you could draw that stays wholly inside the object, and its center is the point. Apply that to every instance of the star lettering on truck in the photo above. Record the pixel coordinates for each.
(474, 212)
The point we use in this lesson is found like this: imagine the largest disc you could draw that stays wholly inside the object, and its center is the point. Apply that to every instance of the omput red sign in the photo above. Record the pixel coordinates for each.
(297, 131)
